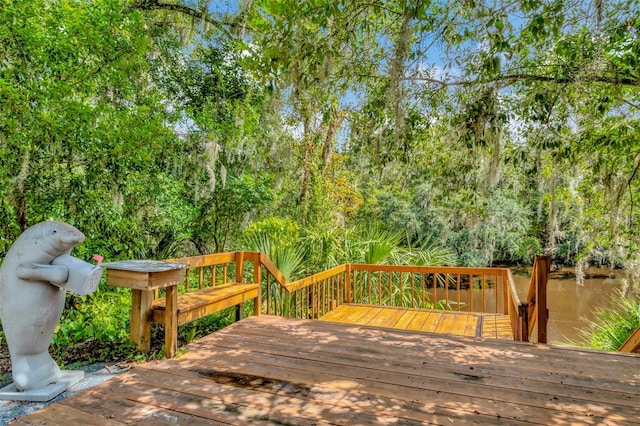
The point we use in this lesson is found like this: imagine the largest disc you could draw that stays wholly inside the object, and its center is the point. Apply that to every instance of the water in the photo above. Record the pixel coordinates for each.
(569, 303)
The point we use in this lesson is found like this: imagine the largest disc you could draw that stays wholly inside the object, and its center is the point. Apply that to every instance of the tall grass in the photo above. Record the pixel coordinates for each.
(611, 327)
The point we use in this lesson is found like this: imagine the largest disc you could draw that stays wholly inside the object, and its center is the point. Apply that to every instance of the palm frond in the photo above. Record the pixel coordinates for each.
(611, 327)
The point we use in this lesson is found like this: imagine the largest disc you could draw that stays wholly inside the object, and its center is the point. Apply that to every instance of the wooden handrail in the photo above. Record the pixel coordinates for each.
(273, 270)
(313, 279)
(632, 344)
(206, 259)
(449, 270)
(516, 309)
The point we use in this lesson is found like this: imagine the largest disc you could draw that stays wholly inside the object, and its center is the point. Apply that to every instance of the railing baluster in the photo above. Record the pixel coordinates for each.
(446, 290)
(282, 303)
(325, 297)
(354, 286)
(328, 287)
(412, 277)
(268, 293)
(321, 298)
(422, 290)
(458, 290)
(435, 290)
(495, 277)
(471, 292)
(347, 283)
(484, 302)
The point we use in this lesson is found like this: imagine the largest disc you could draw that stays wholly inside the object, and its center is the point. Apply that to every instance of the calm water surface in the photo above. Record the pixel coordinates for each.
(569, 303)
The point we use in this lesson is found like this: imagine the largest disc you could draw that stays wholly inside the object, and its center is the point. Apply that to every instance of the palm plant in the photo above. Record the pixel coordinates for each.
(430, 255)
(287, 258)
(379, 246)
(611, 327)
(323, 249)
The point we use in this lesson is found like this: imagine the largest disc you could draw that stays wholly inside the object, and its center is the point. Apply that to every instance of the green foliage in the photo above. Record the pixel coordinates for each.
(277, 238)
(281, 232)
(430, 254)
(222, 210)
(102, 316)
(611, 327)
(392, 132)
(195, 330)
(378, 246)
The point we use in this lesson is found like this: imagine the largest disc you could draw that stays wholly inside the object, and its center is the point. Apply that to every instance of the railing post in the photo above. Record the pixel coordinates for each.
(523, 314)
(537, 298)
(257, 279)
(544, 267)
(239, 267)
(505, 292)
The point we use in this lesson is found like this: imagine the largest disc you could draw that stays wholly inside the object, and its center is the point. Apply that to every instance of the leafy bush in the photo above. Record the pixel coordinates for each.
(102, 316)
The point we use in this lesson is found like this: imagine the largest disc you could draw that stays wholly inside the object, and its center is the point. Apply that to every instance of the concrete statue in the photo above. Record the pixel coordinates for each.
(34, 277)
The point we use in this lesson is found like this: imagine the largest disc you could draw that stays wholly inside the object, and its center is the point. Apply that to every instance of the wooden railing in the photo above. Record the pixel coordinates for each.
(537, 311)
(632, 344)
(450, 288)
(486, 290)
(310, 297)
(453, 288)
(210, 270)
(515, 308)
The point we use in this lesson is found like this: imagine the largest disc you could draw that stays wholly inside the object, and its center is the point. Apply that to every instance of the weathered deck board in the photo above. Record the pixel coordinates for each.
(264, 344)
(490, 326)
(406, 319)
(270, 370)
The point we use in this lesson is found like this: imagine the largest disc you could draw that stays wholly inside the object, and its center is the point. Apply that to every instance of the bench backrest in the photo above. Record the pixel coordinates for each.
(210, 270)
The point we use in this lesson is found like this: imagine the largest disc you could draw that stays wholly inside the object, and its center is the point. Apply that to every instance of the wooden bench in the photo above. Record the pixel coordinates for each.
(176, 309)
(200, 303)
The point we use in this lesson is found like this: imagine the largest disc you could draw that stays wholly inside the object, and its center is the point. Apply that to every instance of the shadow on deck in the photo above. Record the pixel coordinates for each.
(270, 370)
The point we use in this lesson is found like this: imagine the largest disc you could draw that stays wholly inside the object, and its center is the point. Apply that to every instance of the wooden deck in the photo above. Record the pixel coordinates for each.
(474, 324)
(271, 370)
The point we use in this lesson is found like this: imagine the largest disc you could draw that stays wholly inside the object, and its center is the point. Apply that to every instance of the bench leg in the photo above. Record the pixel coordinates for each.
(140, 319)
(171, 322)
(238, 312)
(257, 305)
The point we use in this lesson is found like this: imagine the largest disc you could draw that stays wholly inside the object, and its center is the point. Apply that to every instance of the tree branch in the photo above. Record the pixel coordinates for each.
(512, 78)
(185, 10)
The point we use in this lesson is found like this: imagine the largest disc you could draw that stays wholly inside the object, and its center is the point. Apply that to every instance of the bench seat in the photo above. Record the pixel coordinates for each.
(199, 303)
